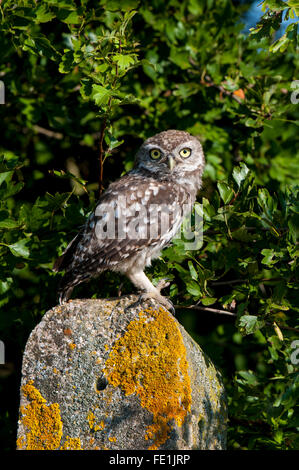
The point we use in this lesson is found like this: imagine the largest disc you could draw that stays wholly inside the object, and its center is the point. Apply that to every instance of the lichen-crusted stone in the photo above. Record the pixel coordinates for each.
(115, 374)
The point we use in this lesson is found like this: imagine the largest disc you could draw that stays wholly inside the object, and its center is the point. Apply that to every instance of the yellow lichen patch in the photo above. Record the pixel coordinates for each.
(42, 421)
(21, 443)
(92, 422)
(91, 419)
(112, 439)
(214, 394)
(100, 426)
(72, 346)
(71, 443)
(150, 360)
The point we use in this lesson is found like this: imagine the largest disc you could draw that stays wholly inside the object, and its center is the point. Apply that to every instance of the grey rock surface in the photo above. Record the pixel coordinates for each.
(116, 374)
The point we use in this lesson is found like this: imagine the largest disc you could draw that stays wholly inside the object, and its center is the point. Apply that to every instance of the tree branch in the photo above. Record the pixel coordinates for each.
(232, 314)
(48, 132)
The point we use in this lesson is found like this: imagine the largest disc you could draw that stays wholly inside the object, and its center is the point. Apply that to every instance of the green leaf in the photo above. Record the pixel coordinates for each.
(54, 202)
(248, 324)
(124, 61)
(67, 62)
(268, 257)
(69, 4)
(124, 5)
(100, 94)
(289, 37)
(33, 217)
(43, 14)
(184, 90)
(248, 377)
(240, 173)
(5, 285)
(208, 210)
(226, 193)
(193, 288)
(20, 248)
(208, 300)
(267, 203)
(40, 45)
(68, 175)
(8, 224)
(112, 142)
(5, 176)
(86, 88)
(243, 235)
(69, 17)
(180, 58)
(192, 270)
(10, 189)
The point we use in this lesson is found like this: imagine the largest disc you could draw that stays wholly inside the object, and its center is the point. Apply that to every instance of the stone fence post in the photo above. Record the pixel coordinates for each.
(115, 374)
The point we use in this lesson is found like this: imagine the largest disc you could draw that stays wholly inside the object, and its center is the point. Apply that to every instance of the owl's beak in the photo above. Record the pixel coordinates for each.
(171, 162)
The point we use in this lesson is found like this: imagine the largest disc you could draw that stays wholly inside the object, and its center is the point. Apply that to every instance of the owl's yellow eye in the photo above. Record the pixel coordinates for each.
(185, 153)
(155, 154)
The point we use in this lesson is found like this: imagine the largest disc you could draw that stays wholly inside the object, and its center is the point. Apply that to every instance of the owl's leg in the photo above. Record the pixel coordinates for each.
(148, 290)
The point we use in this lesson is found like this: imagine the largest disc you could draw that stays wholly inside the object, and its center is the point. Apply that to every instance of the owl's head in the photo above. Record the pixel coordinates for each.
(171, 153)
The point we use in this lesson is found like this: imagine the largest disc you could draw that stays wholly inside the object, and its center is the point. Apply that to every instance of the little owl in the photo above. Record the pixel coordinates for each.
(137, 216)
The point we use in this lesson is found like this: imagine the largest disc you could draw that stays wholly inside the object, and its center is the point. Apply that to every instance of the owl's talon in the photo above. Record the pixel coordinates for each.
(162, 284)
(159, 298)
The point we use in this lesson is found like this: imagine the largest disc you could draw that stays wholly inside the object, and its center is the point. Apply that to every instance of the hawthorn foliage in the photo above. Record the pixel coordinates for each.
(85, 83)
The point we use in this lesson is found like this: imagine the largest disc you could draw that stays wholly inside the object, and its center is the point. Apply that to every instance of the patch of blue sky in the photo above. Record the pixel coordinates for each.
(253, 15)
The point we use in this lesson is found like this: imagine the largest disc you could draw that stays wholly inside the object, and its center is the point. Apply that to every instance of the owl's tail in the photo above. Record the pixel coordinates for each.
(71, 277)
(68, 282)
(65, 288)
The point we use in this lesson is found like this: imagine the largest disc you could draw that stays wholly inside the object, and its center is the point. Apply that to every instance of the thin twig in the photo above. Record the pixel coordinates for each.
(295, 330)
(101, 154)
(206, 309)
(233, 281)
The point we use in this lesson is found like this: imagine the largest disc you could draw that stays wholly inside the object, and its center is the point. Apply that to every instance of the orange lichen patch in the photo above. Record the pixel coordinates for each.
(42, 421)
(71, 443)
(112, 439)
(72, 346)
(150, 360)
